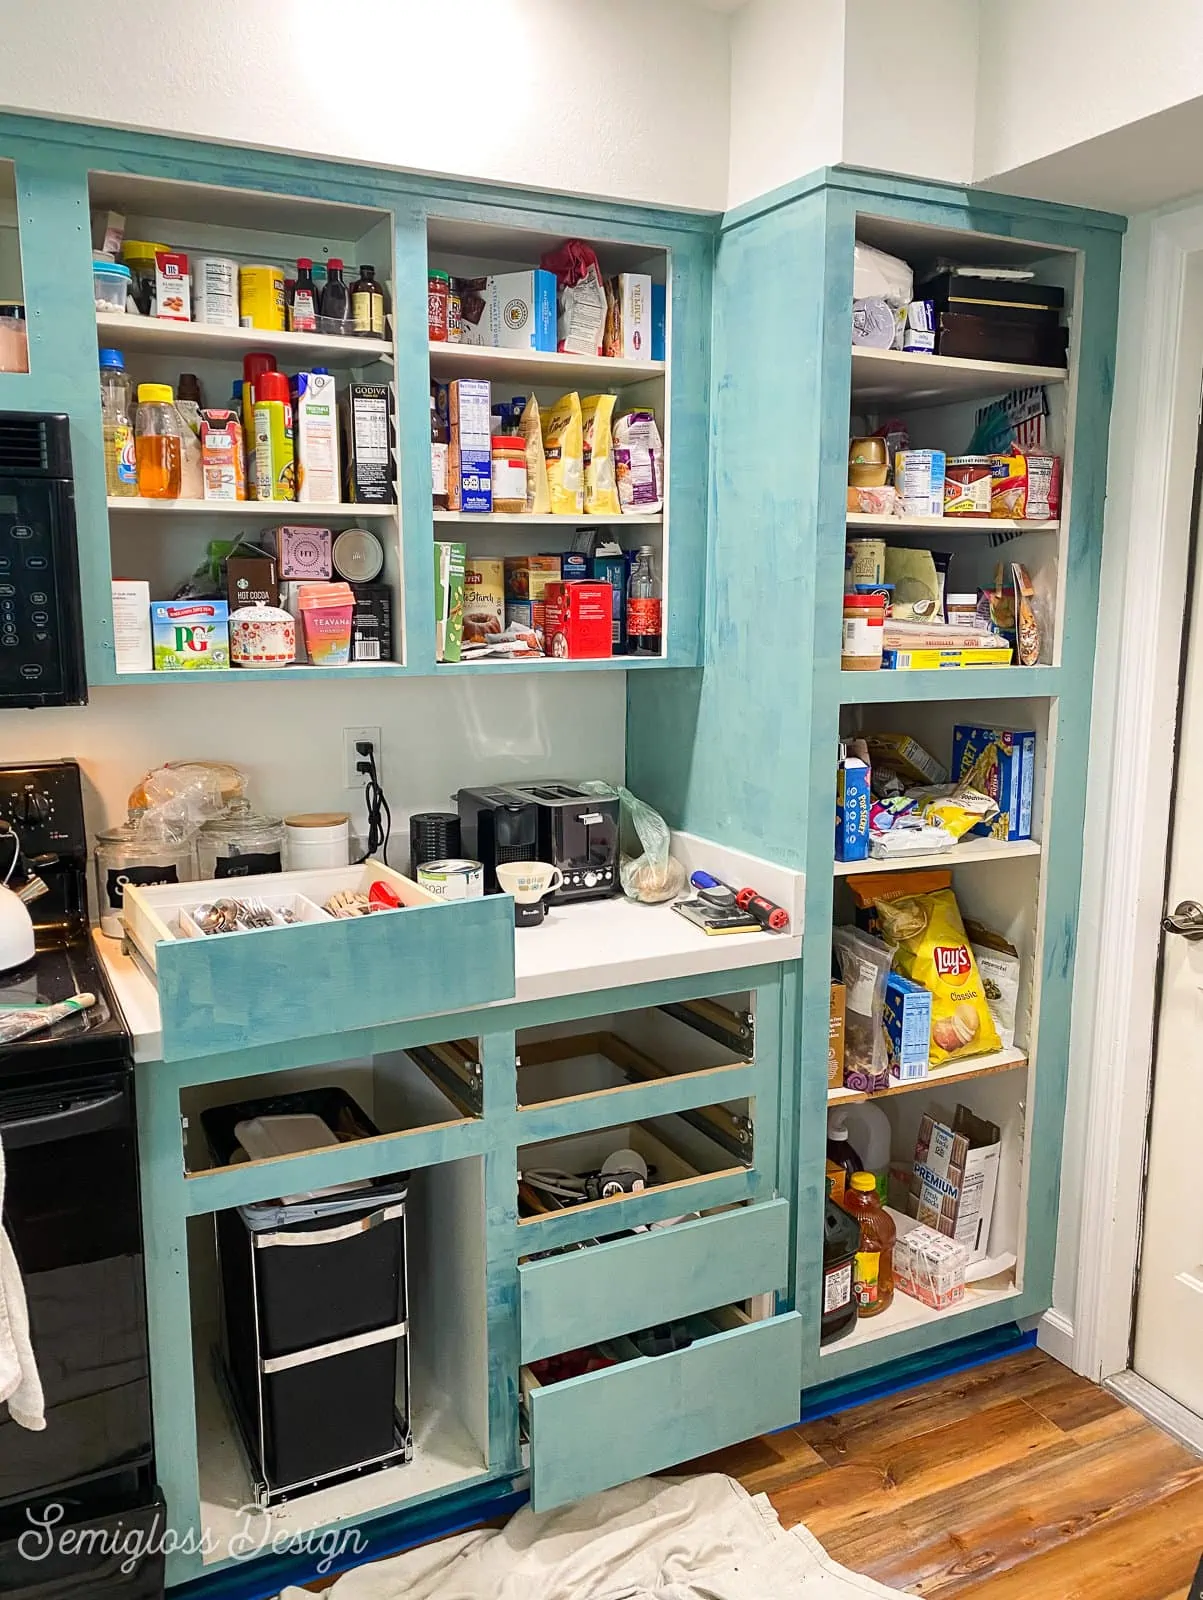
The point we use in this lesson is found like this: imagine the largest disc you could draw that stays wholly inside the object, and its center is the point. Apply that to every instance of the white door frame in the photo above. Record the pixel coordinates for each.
(1154, 432)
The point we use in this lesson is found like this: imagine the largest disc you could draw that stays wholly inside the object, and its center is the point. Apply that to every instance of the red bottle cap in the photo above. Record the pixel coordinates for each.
(271, 386)
(303, 262)
(334, 262)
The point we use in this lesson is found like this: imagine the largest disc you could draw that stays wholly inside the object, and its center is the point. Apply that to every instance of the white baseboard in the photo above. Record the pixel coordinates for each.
(1055, 1336)
(1153, 1403)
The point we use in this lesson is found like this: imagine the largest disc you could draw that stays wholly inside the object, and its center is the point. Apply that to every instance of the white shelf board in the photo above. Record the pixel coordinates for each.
(968, 850)
(147, 334)
(478, 519)
(904, 379)
(1008, 1060)
(905, 1312)
(536, 366)
(866, 519)
(289, 511)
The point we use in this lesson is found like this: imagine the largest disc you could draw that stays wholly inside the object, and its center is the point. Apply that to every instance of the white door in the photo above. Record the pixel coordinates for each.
(1168, 1346)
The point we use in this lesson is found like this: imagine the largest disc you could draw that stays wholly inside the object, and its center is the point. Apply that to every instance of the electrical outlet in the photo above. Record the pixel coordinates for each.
(352, 757)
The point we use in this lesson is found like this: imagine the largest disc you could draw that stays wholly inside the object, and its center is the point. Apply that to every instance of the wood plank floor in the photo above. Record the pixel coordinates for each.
(1014, 1481)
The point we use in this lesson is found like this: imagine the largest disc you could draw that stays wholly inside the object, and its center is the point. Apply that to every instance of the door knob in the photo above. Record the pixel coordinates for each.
(1186, 919)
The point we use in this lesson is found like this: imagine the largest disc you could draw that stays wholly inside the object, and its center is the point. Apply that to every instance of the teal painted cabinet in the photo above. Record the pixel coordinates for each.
(746, 749)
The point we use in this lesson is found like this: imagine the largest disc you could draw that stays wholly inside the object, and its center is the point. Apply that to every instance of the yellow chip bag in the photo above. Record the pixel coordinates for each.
(931, 949)
(956, 808)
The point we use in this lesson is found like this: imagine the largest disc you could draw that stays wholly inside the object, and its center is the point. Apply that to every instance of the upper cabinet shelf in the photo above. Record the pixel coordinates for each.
(898, 378)
(147, 335)
(537, 367)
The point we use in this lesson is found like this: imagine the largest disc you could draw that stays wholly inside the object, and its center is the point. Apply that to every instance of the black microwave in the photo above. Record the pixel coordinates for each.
(41, 621)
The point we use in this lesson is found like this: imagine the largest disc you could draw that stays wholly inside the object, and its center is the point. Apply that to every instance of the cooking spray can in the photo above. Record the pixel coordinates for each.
(275, 470)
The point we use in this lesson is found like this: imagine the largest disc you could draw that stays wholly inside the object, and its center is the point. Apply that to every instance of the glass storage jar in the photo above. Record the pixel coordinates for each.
(124, 855)
(240, 844)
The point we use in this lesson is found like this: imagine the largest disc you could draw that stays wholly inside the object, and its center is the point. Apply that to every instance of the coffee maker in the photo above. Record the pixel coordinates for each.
(497, 825)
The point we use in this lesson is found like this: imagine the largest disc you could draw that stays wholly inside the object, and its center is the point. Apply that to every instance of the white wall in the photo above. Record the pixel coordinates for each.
(787, 92)
(437, 736)
(626, 98)
(891, 123)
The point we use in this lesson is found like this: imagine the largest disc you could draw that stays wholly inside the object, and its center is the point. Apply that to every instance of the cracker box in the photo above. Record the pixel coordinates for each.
(852, 810)
(907, 1023)
(190, 635)
(835, 1036)
(484, 599)
(577, 620)
(1000, 762)
(955, 1177)
(469, 462)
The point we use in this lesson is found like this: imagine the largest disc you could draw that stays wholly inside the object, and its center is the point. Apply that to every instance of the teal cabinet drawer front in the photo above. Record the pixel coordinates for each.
(611, 1289)
(241, 990)
(653, 1413)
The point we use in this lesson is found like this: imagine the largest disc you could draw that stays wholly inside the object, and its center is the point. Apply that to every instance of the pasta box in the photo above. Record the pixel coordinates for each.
(999, 762)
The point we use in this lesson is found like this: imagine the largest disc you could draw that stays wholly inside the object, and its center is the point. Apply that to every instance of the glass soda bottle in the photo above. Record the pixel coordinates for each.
(643, 606)
(120, 461)
(873, 1276)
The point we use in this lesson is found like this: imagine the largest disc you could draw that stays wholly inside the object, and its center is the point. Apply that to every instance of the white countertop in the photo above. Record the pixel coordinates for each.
(578, 949)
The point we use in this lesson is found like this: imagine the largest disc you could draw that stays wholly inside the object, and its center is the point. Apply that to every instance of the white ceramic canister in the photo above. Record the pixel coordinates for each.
(454, 879)
(215, 291)
(317, 839)
(262, 636)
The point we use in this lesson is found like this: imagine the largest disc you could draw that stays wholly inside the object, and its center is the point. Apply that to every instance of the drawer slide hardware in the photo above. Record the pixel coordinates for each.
(735, 1030)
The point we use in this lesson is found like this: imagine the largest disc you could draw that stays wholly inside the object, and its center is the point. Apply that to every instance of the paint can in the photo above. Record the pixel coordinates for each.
(454, 879)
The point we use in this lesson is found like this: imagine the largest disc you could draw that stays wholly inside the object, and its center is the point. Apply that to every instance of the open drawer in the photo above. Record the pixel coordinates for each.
(610, 1287)
(232, 991)
(647, 1413)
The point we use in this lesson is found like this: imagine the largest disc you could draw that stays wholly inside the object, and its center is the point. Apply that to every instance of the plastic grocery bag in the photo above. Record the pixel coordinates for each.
(647, 871)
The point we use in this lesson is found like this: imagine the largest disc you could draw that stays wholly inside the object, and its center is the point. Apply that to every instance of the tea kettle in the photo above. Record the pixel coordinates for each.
(16, 924)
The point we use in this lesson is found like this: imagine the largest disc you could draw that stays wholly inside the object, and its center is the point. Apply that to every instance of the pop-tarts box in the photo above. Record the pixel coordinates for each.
(907, 1021)
(852, 810)
(1002, 764)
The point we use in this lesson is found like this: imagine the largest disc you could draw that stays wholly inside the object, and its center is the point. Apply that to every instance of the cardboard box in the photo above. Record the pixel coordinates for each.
(659, 320)
(955, 1177)
(315, 418)
(190, 635)
(303, 555)
(1003, 764)
(930, 1268)
(449, 566)
(512, 310)
(526, 580)
(173, 287)
(628, 335)
(852, 801)
(368, 438)
(372, 622)
(577, 620)
(484, 598)
(906, 757)
(907, 1022)
(469, 461)
(131, 626)
(837, 1178)
(108, 232)
(835, 1036)
(610, 566)
(931, 660)
(252, 581)
(223, 455)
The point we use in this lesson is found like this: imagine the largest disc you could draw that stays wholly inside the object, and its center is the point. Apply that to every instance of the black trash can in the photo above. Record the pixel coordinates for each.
(315, 1314)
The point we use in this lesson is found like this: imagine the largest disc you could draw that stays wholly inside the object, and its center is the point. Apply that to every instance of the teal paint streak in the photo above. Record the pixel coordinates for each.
(625, 1284)
(682, 1092)
(653, 1205)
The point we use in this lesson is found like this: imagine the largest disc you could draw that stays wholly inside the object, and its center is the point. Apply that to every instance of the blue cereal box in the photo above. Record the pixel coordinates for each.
(852, 810)
(907, 1021)
(1000, 762)
(190, 635)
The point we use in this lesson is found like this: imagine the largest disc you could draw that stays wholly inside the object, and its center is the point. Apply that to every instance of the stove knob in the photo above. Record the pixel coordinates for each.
(34, 808)
(590, 880)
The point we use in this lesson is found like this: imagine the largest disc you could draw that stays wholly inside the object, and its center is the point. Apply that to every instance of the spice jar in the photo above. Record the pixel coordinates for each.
(240, 844)
(864, 632)
(438, 288)
(127, 855)
(508, 454)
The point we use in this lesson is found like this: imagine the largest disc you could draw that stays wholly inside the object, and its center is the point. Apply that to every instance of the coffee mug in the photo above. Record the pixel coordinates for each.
(528, 881)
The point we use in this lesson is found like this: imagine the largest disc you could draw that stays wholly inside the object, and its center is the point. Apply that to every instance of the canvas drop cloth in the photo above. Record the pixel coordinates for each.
(699, 1538)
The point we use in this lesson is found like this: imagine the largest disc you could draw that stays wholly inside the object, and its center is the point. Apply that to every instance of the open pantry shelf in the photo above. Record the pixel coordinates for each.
(905, 1313)
(290, 511)
(865, 519)
(550, 664)
(153, 335)
(542, 367)
(482, 519)
(949, 683)
(997, 1061)
(298, 671)
(898, 377)
(968, 850)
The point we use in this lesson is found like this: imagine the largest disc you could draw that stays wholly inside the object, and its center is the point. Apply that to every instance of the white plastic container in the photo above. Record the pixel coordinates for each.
(317, 839)
(869, 1131)
(215, 291)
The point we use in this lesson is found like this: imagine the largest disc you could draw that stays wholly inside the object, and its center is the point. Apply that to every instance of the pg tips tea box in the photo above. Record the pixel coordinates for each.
(190, 635)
